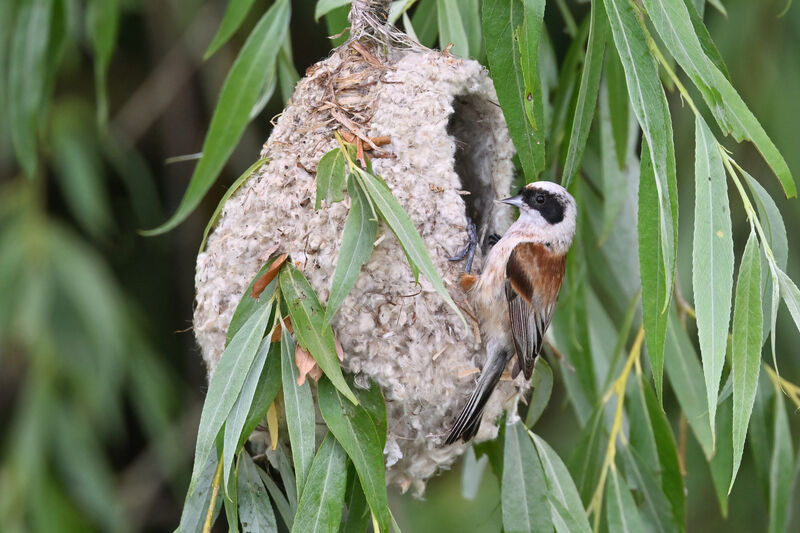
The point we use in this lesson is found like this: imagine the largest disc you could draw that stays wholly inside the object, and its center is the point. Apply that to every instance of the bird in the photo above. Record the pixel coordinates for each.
(517, 290)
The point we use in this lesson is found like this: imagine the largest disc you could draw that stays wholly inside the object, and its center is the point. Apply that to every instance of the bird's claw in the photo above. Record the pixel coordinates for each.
(469, 249)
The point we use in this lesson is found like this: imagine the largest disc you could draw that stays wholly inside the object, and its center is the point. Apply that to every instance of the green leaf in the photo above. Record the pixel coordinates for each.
(354, 429)
(791, 296)
(472, 470)
(618, 104)
(308, 322)
(231, 500)
(358, 239)
(524, 496)
(232, 189)
(655, 280)
(235, 423)
(561, 488)
(501, 18)
(254, 64)
(542, 384)
(425, 22)
(248, 305)
(722, 463)
(326, 6)
(672, 21)
(358, 515)
(623, 515)
(451, 28)
(195, 506)
(79, 169)
(771, 221)
(686, 377)
(226, 383)
(331, 178)
(746, 348)
(299, 407)
(255, 510)
(282, 504)
(712, 260)
(616, 176)
(287, 74)
(102, 21)
(700, 29)
(279, 461)
(759, 435)
(471, 16)
(529, 35)
(586, 461)
(320, 507)
(643, 478)
(372, 401)
(565, 521)
(587, 93)
(269, 384)
(781, 472)
(27, 78)
(235, 14)
(337, 23)
(652, 112)
(401, 225)
(667, 450)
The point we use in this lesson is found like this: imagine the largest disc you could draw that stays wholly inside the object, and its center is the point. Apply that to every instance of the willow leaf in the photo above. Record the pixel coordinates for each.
(320, 507)
(524, 495)
(712, 261)
(358, 239)
(451, 28)
(239, 94)
(331, 178)
(308, 321)
(587, 92)
(299, 407)
(781, 472)
(235, 14)
(561, 488)
(652, 112)
(542, 384)
(746, 347)
(623, 515)
(255, 509)
(529, 35)
(672, 21)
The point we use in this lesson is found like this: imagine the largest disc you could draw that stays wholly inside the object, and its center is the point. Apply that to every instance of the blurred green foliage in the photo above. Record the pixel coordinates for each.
(99, 397)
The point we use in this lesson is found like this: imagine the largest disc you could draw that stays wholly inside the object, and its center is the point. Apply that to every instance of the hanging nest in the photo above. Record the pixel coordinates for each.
(433, 130)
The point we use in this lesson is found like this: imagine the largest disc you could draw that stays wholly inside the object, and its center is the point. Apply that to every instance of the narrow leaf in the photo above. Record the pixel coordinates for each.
(451, 28)
(102, 21)
(354, 429)
(331, 178)
(721, 464)
(655, 280)
(255, 509)
(425, 21)
(618, 104)
(299, 407)
(623, 516)
(239, 93)
(746, 348)
(401, 225)
(226, 383)
(712, 260)
(282, 504)
(781, 472)
(308, 317)
(672, 21)
(587, 92)
(27, 77)
(501, 18)
(326, 6)
(235, 423)
(686, 378)
(644, 479)
(472, 470)
(524, 494)
(358, 515)
(542, 384)
(652, 112)
(529, 36)
(248, 305)
(561, 488)
(235, 14)
(358, 238)
(320, 507)
(195, 506)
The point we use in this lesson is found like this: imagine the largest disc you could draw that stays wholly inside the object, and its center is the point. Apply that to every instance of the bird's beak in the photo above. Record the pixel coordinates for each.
(516, 201)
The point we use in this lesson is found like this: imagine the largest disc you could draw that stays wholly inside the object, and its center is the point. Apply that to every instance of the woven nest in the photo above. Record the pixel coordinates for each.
(449, 155)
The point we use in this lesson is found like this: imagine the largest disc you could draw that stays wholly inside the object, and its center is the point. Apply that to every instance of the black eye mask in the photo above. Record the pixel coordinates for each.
(551, 209)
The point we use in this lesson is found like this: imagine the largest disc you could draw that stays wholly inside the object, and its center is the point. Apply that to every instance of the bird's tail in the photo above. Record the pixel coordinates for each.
(468, 422)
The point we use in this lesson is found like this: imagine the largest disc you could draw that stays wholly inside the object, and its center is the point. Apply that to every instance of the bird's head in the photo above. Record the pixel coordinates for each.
(548, 207)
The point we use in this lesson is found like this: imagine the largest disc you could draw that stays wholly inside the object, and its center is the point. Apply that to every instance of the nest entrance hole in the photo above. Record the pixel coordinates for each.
(475, 156)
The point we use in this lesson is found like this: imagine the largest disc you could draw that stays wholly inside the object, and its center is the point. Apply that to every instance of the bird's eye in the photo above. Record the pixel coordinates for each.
(539, 198)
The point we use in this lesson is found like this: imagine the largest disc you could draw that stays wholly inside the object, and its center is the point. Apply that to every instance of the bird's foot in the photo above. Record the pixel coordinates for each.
(469, 250)
(493, 239)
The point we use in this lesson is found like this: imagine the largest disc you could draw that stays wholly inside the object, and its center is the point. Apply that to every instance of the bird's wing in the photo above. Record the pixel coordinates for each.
(533, 280)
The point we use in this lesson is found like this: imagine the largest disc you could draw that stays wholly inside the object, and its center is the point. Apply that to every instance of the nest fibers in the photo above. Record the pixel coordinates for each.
(449, 156)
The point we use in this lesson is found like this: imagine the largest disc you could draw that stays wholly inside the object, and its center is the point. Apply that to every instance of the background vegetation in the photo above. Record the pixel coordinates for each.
(101, 385)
